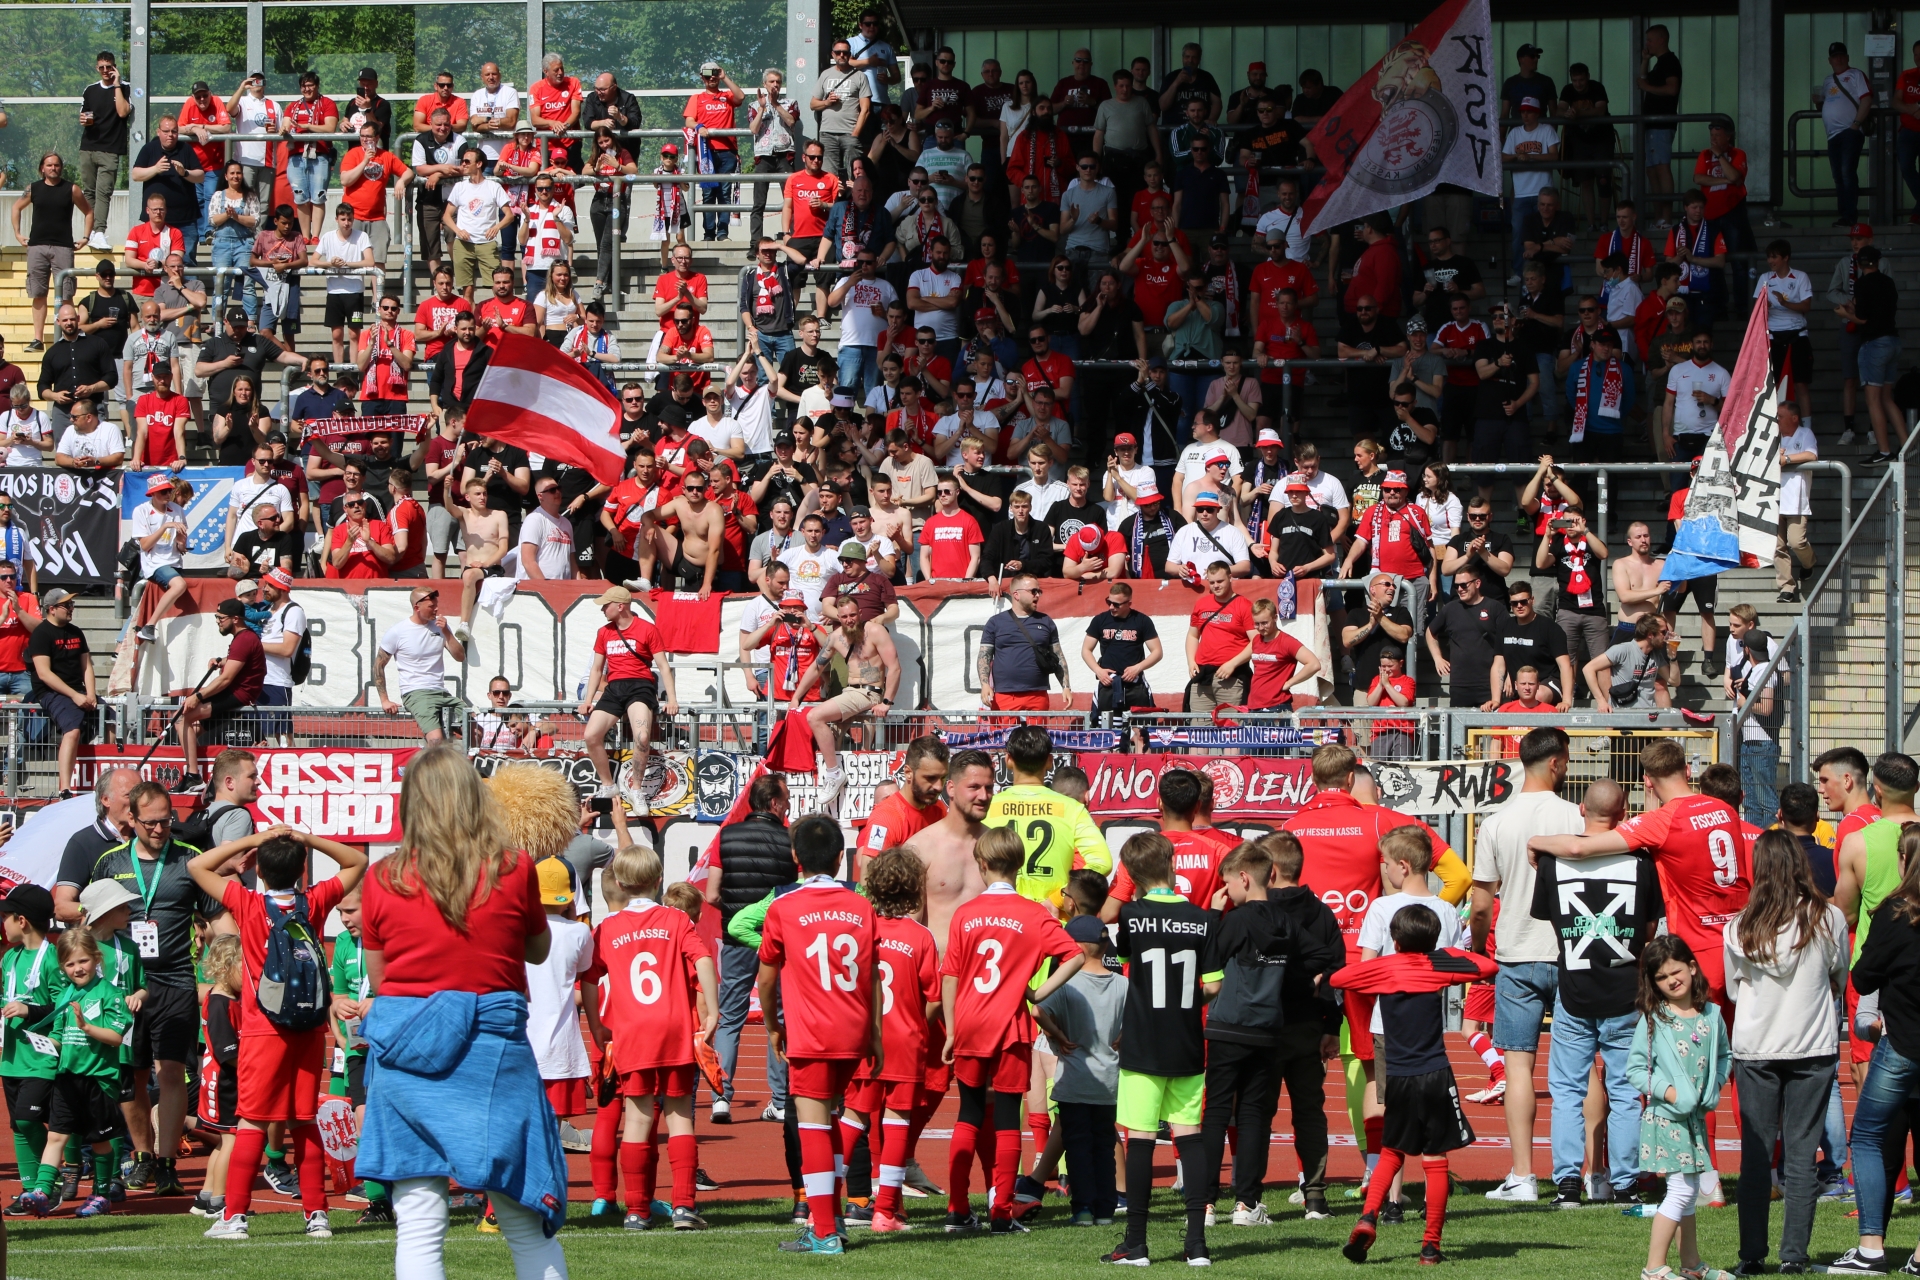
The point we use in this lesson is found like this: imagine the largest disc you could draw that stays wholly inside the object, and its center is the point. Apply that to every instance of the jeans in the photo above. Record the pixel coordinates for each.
(1843, 157)
(714, 225)
(1191, 387)
(774, 346)
(1759, 774)
(1833, 1138)
(1782, 1100)
(1910, 162)
(1569, 1070)
(859, 369)
(607, 236)
(1882, 1115)
(840, 149)
(208, 185)
(1547, 403)
(307, 175)
(739, 967)
(778, 162)
(230, 249)
(1086, 1130)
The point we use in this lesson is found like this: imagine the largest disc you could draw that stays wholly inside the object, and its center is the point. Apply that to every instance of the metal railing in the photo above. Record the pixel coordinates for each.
(1879, 187)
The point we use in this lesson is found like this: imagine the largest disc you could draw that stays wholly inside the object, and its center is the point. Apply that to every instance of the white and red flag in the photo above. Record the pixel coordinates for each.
(1425, 114)
(537, 399)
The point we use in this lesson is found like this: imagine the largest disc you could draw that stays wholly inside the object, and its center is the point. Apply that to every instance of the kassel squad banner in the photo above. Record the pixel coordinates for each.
(1425, 114)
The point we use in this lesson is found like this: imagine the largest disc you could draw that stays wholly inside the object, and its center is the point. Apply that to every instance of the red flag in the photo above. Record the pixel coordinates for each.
(535, 398)
(1748, 382)
(789, 750)
(687, 624)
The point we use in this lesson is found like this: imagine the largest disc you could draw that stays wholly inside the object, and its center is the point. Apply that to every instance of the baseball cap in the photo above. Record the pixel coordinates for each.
(1529, 103)
(669, 150)
(793, 600)
(852, 550)
(1088, 928)
(103, 896)
(615, 595)
(858, 512)
(235, 315)
(1861, 231)
(1267, 436)
(1156, 362)
(1296, 485)
(1256, 66)
(201, 86)
(1837, 49)
(709, 65)
(782, 437)
(31, 901)
(842, 398)
(1394, 480)
(368, 73)
(245, 587)
(273, 437)
(556, 885)
(159, 482)
(231, 609)
(1219, 242)
(278, 579)
(1146, 491)
(54, 596)
(1528, 51)
(986, 313)
(1127, 437)
(1207, 499)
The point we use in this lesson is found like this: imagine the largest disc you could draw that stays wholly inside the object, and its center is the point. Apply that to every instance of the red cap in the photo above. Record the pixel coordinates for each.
(1394, 480)
(1861, 231)
(278, 579)
(1296, 485)
(1125, 437)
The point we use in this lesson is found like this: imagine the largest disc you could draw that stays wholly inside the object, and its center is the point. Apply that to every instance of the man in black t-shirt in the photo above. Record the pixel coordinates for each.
(508, 472)
(269, 545)
(60, 669)
(1373, 342)
(1301, 537)
(806, 365)
(781, 477)
(1444, 276)
(1468, 626)
(1508, 383)
(1119, 647)
(1659, 96)
(239, 353)
(106, 114)
(1529, 640)
(1484, 547)
(1546, 234)
(1384, 623)
(1189, 82)
(1529, 83)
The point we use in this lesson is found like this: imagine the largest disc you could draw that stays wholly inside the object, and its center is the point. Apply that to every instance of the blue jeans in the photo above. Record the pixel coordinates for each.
(859, 369)
(1759, 774)
(1892, 1081)
(1843, 157)
(1569, 1066)
(774, 346)
(231, 249)
(739, 967)
(1833, 1142)
(307, 175)
(204, 193)
(1192, 390)
(714, 225)
(1547, 403)
(1910, 162)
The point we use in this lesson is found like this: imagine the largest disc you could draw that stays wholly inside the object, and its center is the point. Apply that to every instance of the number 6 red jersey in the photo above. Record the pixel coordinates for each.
(1706, 872)
(647, 952)
(820, 936)
(909, 967)
(995, 946)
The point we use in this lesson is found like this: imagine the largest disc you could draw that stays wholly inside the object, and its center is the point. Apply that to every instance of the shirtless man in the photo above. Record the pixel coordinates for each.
(484, 533)
(1636, 580)
(946, 847)
(694, 556)
(873, 675)
(890, 520)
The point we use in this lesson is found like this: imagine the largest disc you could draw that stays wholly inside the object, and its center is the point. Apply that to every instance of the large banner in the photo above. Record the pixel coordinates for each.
(70, 521)
(1254, 790)
(1733, 509)
(349, 794)
(206, 514)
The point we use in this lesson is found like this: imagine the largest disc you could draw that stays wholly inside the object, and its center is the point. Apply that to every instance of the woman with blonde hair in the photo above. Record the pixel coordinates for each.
(449, 923)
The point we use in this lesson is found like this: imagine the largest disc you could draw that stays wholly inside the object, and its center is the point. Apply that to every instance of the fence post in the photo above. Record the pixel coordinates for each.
(1896, 638)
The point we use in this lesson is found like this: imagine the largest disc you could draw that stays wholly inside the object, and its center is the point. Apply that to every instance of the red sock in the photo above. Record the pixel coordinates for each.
(1040, 1125)
(985, 1149)
(895, 1148)
(1438, 1184)
(1390, 1162)
(816, 1172)
(960, 1153)
(1496, 1065)
(649, 1168)
(1375, 1128)
(249, 1149)
(1713, 1134)
(1006, 1166)
(683, 1155)
(311, 1159)
(604, 1159)
(633, 1159)
(851, 1131)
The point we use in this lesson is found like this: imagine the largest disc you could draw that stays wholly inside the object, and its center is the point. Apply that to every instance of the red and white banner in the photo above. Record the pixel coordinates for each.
(338, 428)
(346, 793)
(1425, 114)
(535, 398)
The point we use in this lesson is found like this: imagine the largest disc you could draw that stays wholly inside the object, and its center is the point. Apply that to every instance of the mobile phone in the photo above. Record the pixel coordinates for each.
(1561, 523)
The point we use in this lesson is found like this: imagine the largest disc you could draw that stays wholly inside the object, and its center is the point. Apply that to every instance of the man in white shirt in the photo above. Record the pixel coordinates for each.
(933, 295)
(874, 56)
(862, 298)
(1285, 221)
(718, 430)
(347, 253)
(280, 639)
(1533, 141)
(417, 647)
(477, 211)
(1205, 540)
(946, 162)
(1797, 448)
(810, 563)
(251, 490)
(1040, 485)
(1695, 389)
(492, 111)
(1845, 100)
(546, 537)
(160, 526)
(1621, 297)
(750, 401)
(1191, 468)
(1788, 294)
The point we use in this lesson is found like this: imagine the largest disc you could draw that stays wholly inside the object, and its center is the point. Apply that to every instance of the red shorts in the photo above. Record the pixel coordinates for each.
(823, 1078)
(567, 1097)
(1041, 701)
(938, 1079)
(665, 1082)
(1359, 1024)
(871, 1097)
(1859, 1048)
(1009, 1071)
(1479, 1005)
(279, 1075)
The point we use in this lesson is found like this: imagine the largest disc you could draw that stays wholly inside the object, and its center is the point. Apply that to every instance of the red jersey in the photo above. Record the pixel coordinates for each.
(1270, 277)
(1156, 287)
(1341, 839)
(1462, 337)
(1907, 90)
(629, 653)
(909, 967)
(1638, 248)
(1197, 856)
(1274, 663)
(670, 284)
(1510, 744)
(249, 908)
(1705, 874)
(812, 196)
(794, 653)
(435, 315)
(1853, 822)
(1284, 342)
(1398, 540)
(949, 537)
(1722, 199)
(733, 536)
(715, 111)
(455, 107)
(821, 934)
(14, 632)
(995, 945)
(409, 516)
(675, 345)
(160, 413)
(1142, 206)
(1050, 373)
(1405, 684)
(213, 154)
(646, 952)
(151, 248)
(361, 562)
(894, 821)
(554, 103)
(306, 117)
(514, 311)
(1223, 629)
(976, 274)
(919, 427)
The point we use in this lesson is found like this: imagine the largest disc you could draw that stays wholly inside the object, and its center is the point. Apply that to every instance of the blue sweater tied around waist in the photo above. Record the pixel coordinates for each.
(454, 1091)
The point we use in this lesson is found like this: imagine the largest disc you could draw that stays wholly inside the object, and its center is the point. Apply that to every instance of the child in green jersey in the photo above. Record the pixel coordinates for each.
(89, 1025)
(107, 908)
(352, 997)
(30, 972)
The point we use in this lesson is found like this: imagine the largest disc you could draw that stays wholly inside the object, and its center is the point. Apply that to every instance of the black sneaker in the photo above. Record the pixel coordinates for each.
(284, 1180)
(858, 1215)
(70, 1182)
(1357, 1245)
(140, 1177)
(1789, 596)
(189, 784)
(1316, 1206)
(1430, 1255)
(962, 1222)
(1911, 1267)
(378, 1213)
(1879, 458)
(15, 1209)
(1126, 1255)
(166, 1179)
(1392, 1213)
(1007, 1227)
(1567, 1193)
(703, 1181)
(36, 345)
(1856, 1263)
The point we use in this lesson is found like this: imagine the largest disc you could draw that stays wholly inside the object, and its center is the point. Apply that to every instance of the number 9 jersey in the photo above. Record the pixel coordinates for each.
(1706, 873)
(1058, 833)
(820, 935)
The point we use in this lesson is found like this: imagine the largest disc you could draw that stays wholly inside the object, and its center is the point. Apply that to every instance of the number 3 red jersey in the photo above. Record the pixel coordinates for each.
(820, 936)
(909, 967)
(1705, 871)
(995, 945)
(647, 952)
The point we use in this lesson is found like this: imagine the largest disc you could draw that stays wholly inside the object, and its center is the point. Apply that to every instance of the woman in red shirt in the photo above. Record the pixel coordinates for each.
(449, 923)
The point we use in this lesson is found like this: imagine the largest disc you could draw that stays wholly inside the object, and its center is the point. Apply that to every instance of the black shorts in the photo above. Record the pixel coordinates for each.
(343, 307)
(357, 1079)
(1705, 592)
(226, 1102)
(687, 576)
(65, 714)
(1424, 1116)
(28, 1098)
(1500, 440)
(619, 695)
(167, 1028)
(82, 1107)
(1796, 348)
(226, 710)
(1121, 693)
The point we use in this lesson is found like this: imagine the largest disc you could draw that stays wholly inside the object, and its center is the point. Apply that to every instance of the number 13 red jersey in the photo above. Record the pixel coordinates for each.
(820, 936)
(1705, 871)
(994, 947)
(647, 953)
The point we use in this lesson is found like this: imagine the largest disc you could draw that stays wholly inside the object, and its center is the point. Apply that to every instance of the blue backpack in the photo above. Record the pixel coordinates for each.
(295, 987)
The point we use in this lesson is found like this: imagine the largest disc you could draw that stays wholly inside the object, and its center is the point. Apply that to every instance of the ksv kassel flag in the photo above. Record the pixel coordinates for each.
(536, 399)
(1427, 113)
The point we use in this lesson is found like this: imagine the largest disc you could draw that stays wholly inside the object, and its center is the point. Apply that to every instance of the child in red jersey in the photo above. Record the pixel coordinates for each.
(996, 945)
(278, 1069)
(908, 965)
(609, 1115)
(648, 951)
(817, 946)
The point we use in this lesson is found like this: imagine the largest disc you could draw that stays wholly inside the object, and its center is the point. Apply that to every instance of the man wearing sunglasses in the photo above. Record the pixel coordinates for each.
(19, 615)
(713, 108)
(841, 100)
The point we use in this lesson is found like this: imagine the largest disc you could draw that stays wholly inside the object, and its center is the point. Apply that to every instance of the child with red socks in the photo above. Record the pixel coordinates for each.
(278, 1072)
(608, 1116)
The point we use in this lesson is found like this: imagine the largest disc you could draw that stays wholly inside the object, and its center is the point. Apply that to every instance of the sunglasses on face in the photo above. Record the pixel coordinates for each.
(499, 693)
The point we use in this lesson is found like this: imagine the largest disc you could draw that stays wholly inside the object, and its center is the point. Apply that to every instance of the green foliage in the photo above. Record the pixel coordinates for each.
(660, 44)
(846, 21)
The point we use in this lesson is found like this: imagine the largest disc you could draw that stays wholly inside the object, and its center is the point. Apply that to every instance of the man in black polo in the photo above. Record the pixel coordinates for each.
(166, 1030)
(756, 857)
(112, 825)
(1469, 627)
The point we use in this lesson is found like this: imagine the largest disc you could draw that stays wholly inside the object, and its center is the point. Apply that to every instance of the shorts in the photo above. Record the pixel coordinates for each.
(1795, 351)
(357, 1079)
(82, 1107)
(342, 308)
(167, 1028)
(1359, 1015)
(1859, 1048)
(1705, 592)
(443, 531)
(938, 1079)
(1879, 362)
(854, 702)
(1479, 1005)
(473, 264)
(1147, 1100)
(1659, 147)
(1009, 1071)
(1424, 1116)
(1500, 440)
(567, 1097)
(307, 176)
(820, 1078)
(279, 1075)
(827, 274)
(870, 1097)
(425, 706)
(123, 1091)
(29, 1096)
(67, 717)
(687, 576)
(659, 1082)
(164, 576)
(42, 261)
(1040, 700)
(192, 385)
(226, 710)
(1523, 993)
(620, 695)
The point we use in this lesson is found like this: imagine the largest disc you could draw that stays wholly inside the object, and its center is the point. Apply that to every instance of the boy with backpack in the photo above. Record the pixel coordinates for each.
(284, 1004)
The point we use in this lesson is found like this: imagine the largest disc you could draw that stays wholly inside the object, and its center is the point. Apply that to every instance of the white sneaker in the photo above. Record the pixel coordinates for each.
(1297, 1196)
(1254, 1217)
(318, 1228)
(776, 1114)
(722, 1112)
(227, 1229)
(1848, 436)
(462, 632)
(832, 782)
(98, 240)
(1492, 1093)
(1599, 1189)
(1710, 1191)
(571, 1139)
(605, 791)
(637, 585)
(1518, 1188)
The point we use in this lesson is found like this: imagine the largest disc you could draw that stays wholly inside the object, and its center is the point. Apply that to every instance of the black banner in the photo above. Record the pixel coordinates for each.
(71, 521)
